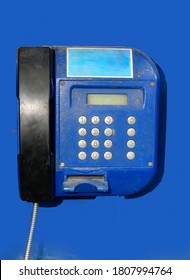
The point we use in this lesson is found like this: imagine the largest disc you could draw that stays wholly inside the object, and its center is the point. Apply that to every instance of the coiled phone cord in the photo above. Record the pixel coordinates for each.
(32, 226)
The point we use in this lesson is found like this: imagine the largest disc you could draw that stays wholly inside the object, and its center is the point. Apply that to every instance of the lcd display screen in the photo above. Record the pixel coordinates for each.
(107, 99)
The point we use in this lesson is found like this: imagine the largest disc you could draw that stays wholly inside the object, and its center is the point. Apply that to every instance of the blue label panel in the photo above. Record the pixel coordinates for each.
(99, 62)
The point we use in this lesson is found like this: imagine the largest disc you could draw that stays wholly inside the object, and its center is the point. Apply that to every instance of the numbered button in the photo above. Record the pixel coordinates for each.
(108, 131)
(108, 144)
(108, 120)
(82, 132)
(107, 155)
(130, 144)
(95, 131)
(131, 132)
(82, 144)
(95, 144)
(82, 155)
(95, 120)
(130, 155)
(131, 120)
(95, 155)
(82, 120)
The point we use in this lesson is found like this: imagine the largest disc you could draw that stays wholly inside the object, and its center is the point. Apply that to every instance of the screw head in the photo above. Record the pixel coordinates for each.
(62, 164)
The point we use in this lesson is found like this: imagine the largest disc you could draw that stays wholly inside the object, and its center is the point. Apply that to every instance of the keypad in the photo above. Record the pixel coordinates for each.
(101, 132)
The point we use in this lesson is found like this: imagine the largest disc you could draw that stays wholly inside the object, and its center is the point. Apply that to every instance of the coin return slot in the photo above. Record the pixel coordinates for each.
(85, 184)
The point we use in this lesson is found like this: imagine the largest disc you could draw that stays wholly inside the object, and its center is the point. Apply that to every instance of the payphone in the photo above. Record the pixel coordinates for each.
(88, 122)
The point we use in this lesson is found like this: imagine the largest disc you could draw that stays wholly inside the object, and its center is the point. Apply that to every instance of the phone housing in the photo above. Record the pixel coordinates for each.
(88, 122)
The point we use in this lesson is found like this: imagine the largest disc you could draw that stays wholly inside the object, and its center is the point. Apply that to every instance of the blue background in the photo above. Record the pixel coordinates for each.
(155, 226)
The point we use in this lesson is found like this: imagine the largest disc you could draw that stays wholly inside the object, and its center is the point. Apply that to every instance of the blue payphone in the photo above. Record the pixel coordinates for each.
(88, 122)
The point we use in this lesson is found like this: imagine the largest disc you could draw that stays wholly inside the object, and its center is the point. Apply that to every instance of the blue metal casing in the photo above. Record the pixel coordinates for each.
(119, 175)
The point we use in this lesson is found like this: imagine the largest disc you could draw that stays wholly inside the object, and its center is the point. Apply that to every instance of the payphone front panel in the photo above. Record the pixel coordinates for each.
(105, 121)
(107, 118)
